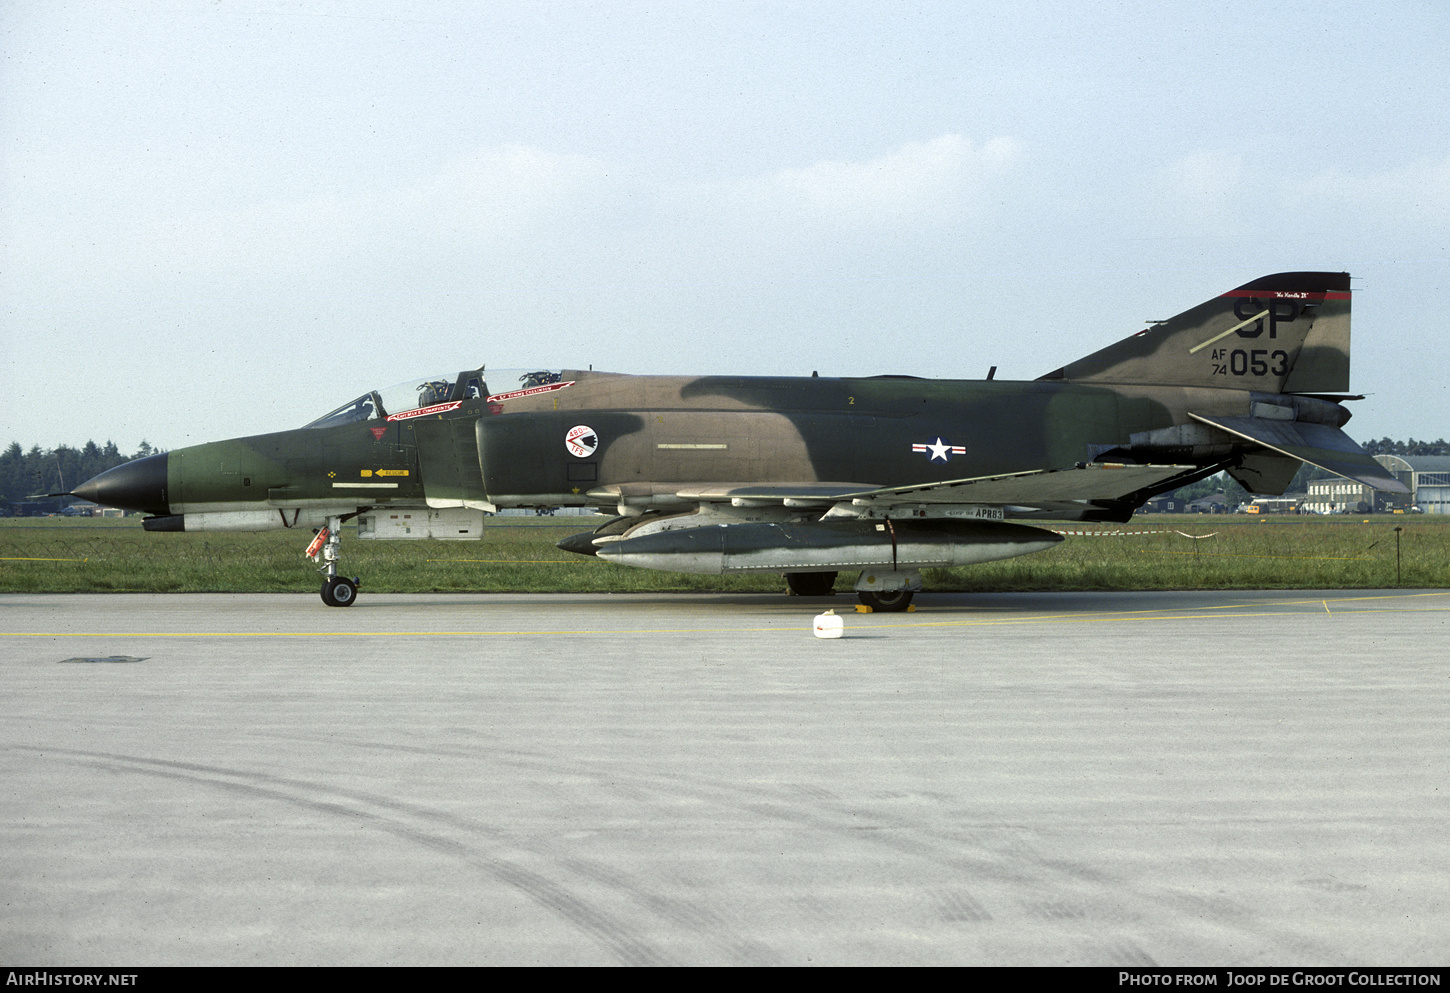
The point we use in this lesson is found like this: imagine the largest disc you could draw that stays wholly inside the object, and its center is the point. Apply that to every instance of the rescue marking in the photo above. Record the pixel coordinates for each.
(365, 486)
(940, 450)
(531, 391)
(437, 408)
(693, 447)
(581, 440)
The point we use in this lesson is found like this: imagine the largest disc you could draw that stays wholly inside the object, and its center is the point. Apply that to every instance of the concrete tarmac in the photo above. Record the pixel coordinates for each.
(1222, 778)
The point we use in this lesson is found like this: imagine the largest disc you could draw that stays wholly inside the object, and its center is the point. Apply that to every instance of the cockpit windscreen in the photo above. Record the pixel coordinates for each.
(437, 395)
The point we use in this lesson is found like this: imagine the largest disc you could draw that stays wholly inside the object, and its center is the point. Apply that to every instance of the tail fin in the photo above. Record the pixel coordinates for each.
(1286, 333)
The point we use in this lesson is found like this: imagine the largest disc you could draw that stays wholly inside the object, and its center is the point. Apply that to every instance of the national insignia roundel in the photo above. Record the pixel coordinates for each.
(939, 451)
(581, 440)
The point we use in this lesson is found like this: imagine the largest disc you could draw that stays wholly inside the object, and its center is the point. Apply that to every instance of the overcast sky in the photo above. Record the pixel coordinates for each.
(228, 217)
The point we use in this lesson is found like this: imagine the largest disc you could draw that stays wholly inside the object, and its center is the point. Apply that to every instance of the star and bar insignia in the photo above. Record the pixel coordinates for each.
(941, 451)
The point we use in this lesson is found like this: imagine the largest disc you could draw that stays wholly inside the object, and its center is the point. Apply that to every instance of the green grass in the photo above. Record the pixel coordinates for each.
(518, 555)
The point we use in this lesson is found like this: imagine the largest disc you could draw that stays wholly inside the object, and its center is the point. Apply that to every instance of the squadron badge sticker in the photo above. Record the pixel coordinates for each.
(941, 451)
(581, 441)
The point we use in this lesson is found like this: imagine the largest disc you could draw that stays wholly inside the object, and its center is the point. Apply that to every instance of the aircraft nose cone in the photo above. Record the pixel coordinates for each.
(138, 485)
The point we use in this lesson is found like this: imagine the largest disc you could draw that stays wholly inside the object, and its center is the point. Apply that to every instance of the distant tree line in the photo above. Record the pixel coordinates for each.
(27, 475)
(1385, 446)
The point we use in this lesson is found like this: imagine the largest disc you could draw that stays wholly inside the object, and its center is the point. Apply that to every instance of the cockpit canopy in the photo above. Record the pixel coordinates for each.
(436, 395)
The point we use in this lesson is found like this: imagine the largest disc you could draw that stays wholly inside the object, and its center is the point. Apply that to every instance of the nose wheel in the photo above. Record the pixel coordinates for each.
(337, 591)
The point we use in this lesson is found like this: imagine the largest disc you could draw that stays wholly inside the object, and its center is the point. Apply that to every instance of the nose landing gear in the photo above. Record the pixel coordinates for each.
(337, 591)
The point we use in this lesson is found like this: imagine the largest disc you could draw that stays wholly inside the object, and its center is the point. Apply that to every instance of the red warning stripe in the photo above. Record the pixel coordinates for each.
(531, 391)
(1289, 294)
(437, 408)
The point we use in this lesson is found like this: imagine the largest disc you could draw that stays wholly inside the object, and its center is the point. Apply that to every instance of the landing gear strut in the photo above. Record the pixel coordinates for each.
(337, 591)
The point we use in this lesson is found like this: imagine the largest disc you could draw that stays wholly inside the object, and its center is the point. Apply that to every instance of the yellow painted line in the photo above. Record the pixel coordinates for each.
(515, 561)
(369, 634)
(1115, 619)
(1236, 555)
(1243, 610)
(778, 629)
(36, 558)
(1350, 599)
(1128, 534)
(1134, 615)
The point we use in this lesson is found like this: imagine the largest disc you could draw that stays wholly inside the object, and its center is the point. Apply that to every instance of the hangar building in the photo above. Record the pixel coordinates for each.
(1426, 476)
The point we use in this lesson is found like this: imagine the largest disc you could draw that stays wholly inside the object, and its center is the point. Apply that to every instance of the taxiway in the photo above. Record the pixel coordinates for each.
(1064, 779)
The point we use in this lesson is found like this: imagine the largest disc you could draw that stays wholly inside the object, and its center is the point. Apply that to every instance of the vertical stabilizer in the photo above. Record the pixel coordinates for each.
(1285, 333)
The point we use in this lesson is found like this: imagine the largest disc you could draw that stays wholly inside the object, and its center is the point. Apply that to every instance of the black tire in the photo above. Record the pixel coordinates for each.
(889, 602)
(339, 592)
(810, 583)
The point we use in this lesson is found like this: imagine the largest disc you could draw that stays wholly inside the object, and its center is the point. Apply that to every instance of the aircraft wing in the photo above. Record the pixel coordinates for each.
(741, 494)
(1318, 444)
(790, 494)
(1092, 483)
(1043, 489)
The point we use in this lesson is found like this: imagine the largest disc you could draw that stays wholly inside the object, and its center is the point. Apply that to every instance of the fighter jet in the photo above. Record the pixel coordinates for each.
(804, 477)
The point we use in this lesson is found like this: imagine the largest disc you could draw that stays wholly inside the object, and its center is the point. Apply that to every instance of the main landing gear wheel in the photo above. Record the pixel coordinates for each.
(888, 602)
(339, 591)
(810, 583)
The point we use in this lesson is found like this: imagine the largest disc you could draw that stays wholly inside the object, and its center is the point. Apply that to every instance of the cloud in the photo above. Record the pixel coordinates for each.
(1413, 195)
(1215, 192)
(1205, 191)
(919, 181)
(490, 201)
(495, 195)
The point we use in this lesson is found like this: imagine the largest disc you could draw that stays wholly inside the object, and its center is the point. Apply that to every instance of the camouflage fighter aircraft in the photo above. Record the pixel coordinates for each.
(803, 477)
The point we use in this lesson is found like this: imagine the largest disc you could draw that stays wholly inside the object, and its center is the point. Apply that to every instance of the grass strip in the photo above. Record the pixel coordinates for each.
(518, 556)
